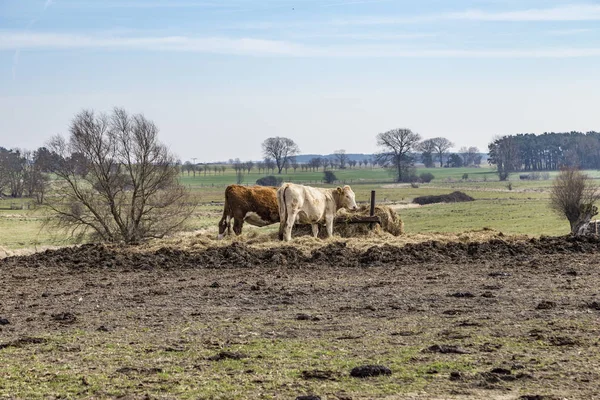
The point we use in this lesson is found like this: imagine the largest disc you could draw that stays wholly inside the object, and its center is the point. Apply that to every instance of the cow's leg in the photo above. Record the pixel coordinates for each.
(229, 225)
(329, 226)
(238, 223)
(289, 224)
(315, 230)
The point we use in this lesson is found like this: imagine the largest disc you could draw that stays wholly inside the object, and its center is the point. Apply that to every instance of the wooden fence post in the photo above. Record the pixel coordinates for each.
(372, 209)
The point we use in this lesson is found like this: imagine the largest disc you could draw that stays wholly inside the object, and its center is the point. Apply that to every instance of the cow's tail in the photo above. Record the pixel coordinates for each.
(226, 219)
(282, 209)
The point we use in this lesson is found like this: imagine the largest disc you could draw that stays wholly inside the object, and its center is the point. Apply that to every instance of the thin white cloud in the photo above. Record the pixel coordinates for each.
(58, 41)
(569, 32)
(573, 12)
(48, 3)
(261, 47)
(375, 36)
(141, 4)
(351, 2)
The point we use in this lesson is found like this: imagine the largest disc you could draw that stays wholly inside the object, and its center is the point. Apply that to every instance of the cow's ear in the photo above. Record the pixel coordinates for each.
(339, 190)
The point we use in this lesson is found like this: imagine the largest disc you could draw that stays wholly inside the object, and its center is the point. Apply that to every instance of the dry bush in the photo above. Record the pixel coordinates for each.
(573, 196)
(117, 182)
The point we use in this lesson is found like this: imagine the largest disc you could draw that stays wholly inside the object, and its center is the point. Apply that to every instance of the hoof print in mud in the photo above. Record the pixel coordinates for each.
(4, 321)
(308, 398)
(563, 341)
(594, 305)
(499, 274)
(64, 318)
(21, 342)
(138, 371)
(545, 305)
(498, 375)
(462, 295)
(452, 312)
(456, 376)
(323, 375)
(445, 349)
(366, 371)
(103, 328)
(306, 317)
(539, 397)
(227, 355)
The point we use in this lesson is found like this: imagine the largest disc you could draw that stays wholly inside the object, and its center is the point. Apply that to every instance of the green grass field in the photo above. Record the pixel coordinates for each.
(521, 208)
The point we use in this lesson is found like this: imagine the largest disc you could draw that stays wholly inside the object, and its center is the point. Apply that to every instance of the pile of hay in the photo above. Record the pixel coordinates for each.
(390, 222)
(454, 197)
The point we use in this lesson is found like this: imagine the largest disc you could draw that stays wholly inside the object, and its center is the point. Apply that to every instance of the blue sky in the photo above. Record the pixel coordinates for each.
(219, 77)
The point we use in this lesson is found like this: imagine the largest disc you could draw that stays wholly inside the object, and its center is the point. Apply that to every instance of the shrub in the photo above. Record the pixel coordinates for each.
(269, 181)
(329, 177)
(426, 177)
(573, 196)
(465, 176)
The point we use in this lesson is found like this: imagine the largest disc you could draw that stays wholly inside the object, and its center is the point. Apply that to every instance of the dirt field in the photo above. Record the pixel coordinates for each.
(501, 319)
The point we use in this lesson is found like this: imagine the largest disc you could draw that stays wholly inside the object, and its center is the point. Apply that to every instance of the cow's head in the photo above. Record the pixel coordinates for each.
(347, 198)
(223, 226)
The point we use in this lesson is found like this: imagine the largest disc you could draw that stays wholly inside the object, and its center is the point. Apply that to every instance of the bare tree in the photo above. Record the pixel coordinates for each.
(269, 164)
(12, 171)
(441, 146)
(397, 145)
(464, 155)
(249, 165)
(341, 157)
(118, 182)
(187, 167)
(427, 148)
(280, 149)
(474, 157)
(573, 196)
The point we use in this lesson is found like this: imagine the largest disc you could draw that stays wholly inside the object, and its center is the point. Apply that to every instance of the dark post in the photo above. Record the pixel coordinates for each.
(372, 211)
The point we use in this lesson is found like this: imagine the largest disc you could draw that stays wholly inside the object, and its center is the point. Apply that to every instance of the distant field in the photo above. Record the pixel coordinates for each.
(349, 176)
(514, 207)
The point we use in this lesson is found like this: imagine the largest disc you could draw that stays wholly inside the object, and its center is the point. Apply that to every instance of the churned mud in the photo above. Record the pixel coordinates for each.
(495, 319)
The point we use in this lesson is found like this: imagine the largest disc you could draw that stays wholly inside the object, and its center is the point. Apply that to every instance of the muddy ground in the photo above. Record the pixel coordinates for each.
(501, 319)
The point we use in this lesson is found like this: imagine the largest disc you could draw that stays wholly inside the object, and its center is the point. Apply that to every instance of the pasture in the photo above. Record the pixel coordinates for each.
(521, 210)
(474, 301)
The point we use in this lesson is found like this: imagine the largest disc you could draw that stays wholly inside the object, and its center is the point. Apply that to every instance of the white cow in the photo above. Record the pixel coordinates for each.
(309, 205)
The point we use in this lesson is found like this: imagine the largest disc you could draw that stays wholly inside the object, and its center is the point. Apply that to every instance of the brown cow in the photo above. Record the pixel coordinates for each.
(256, 205)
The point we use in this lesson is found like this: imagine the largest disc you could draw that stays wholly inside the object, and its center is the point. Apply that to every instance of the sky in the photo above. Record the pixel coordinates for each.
(218, 77)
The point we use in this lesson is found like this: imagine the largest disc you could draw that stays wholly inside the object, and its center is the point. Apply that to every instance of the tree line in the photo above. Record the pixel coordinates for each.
(549, 151)
(401, 148)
